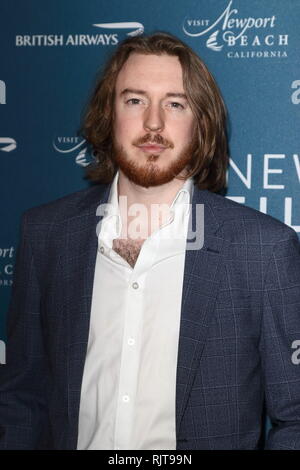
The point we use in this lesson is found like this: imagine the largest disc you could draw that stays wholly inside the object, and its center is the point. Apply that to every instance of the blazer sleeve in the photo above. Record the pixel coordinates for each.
(23, 379)
(279, 343)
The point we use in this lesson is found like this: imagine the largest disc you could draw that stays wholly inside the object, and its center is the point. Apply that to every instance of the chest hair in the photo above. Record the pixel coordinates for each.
(128, 249)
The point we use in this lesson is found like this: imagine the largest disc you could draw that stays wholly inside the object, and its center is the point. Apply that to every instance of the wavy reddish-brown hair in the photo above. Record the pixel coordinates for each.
(209, 160)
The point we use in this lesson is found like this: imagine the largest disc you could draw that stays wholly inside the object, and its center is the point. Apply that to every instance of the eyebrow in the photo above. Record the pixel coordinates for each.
(142, 92)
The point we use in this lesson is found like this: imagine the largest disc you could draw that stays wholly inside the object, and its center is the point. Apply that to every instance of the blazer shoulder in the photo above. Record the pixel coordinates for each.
(246, 221)
(66, 207)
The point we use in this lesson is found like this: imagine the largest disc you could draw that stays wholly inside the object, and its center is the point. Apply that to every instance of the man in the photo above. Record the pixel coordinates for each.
(126, 332)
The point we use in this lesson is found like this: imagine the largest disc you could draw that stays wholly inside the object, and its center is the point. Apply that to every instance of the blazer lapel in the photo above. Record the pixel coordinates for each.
(200, 288)
(81, 251)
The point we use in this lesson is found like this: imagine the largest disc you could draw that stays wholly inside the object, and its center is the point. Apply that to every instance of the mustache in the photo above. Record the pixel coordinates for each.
(154, 139)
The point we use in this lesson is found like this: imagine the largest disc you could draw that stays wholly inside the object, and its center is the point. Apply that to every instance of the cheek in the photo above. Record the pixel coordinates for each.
(184, 131)
(125, 126)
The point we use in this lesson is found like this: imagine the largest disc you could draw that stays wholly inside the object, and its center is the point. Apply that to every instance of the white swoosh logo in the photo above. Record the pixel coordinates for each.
(81, 158)
(69, 150)
(212, 42)
(138, 27)
(10, 144)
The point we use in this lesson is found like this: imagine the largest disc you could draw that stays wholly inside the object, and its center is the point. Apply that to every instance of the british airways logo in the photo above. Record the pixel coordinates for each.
(108, 37)
(138, 28)
(7, 144)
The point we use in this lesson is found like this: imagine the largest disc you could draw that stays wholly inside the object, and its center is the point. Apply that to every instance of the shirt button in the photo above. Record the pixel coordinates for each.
(102, 249)
(131, 341)
(125, 398)
(135, 285)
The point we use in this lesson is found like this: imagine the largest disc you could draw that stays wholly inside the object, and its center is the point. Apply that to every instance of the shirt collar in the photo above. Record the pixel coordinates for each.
(183, 196)
(179, 208)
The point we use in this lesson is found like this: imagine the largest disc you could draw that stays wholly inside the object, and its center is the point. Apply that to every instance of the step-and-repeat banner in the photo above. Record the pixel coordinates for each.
(51, 52)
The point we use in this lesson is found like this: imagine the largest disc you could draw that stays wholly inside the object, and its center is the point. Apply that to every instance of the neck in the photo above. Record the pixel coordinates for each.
(148, 197)
(163, 194)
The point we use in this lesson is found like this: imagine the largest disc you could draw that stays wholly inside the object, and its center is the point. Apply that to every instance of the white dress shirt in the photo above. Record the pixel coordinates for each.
(129, 381)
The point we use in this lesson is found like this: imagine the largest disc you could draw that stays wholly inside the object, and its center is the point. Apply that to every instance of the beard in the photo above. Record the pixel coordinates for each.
(149, 174)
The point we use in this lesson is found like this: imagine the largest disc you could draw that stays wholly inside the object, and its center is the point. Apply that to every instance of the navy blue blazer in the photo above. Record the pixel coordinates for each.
(240, 319)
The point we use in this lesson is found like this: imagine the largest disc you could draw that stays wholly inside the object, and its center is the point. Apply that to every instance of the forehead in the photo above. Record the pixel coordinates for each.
(152, 71)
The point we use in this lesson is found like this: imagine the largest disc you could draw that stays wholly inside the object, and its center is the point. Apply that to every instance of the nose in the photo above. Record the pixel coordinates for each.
(153, 118)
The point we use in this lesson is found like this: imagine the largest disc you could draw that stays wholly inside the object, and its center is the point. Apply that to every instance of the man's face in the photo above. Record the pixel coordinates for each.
(153, 122)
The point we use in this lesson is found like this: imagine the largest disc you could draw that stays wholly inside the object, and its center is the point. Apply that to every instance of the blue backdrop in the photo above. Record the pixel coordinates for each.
(50, 55)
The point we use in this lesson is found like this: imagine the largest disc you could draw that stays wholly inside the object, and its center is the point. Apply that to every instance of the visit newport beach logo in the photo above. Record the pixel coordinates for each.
(75, 147)
(240, 37)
